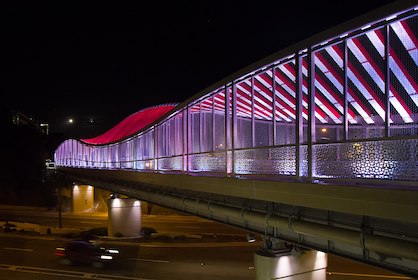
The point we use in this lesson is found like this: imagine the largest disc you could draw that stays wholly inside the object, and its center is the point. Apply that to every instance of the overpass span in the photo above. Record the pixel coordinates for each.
(316, 145)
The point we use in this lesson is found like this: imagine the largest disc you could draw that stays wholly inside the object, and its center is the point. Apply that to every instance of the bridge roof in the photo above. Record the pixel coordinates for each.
(131, 124)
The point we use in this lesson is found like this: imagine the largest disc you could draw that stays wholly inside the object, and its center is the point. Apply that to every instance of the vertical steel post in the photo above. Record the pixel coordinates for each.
(273, 107)
(200, 127)
(227, 129)
(234, 127)
(188, 131)
(299, 117)
(387, 81)
(60, 204)
(345, 91)
(156, 148)
(252, 113)
(311, 110)
(213, 123)
(134, 140)
(184, 138)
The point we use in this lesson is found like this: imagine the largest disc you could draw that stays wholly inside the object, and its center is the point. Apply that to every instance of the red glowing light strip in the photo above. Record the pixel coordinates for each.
(131, 124)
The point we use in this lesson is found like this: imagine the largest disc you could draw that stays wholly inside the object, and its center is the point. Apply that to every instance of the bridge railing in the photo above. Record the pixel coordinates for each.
(384, 159)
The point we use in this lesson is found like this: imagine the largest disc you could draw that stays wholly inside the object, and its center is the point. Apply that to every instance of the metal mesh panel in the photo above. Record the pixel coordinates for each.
(208, 162)
(285, 96)
(244, 138)
(171, 137)
(329, 94)
(207, 131)
(305, 97)
(219, 131)
(386, 159)
(263, 133)
(404, 77)
(195, 128)
(285, 133)
(366, 84)
(163, 141)
(179, 134)
(280, 160)
(170, 163)
(243, 98)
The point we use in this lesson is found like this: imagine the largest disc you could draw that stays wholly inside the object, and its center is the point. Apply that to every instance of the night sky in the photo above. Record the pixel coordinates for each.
(101, 61)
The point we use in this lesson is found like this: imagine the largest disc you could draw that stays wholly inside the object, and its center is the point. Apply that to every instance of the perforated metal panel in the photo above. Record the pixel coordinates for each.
(394, 159)
(280, 161)
(208, 162)
(170, 163)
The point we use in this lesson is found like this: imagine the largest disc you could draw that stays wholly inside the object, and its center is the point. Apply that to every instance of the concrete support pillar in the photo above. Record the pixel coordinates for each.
(277, 259)
(124, 217)
(83, 198)
(290, 265)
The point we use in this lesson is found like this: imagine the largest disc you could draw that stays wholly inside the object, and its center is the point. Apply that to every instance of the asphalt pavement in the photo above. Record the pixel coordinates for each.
(32, 230)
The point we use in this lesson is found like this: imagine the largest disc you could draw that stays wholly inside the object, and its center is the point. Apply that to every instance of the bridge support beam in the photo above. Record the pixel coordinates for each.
(124, 217)
(289, 264)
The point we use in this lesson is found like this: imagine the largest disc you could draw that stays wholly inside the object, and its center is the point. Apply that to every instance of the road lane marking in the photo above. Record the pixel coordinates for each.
(185, 227)
(17, 249)
(149, 260)
(66, 273)
(369, 275)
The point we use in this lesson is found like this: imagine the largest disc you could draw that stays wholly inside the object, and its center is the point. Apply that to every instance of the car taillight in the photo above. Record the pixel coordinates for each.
(59, 252)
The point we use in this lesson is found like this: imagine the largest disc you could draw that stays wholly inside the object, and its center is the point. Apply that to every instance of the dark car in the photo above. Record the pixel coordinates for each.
(86, 252)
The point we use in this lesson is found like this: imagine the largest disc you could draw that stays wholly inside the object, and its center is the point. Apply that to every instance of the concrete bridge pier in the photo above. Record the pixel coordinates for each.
(280, 262)
(124, 217)
(82, 198)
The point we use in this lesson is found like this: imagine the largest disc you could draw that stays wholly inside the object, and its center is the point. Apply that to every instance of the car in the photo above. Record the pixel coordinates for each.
(49, 164)
(86, 252)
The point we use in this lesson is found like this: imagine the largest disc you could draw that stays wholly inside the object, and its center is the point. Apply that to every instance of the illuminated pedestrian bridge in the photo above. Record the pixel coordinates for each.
(316, 144)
